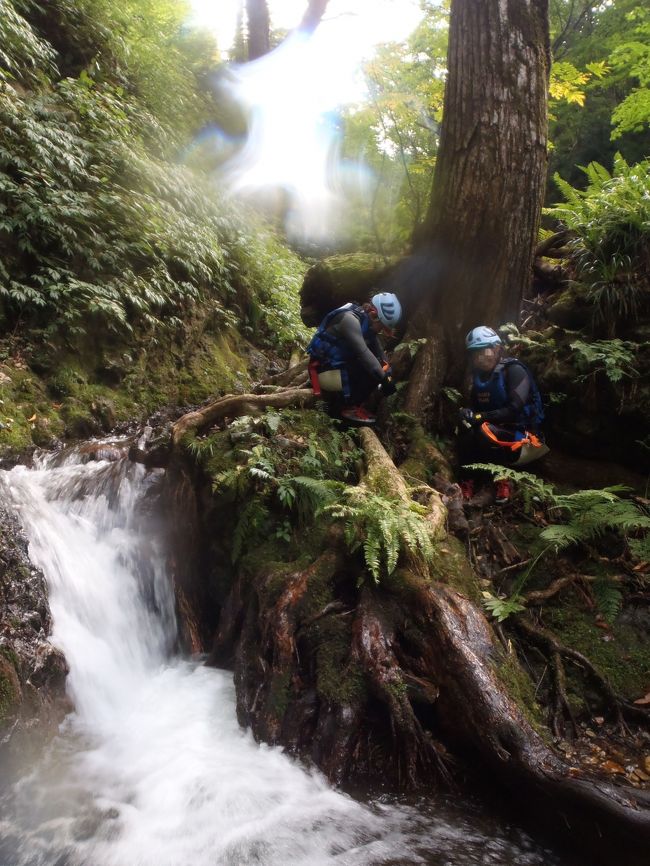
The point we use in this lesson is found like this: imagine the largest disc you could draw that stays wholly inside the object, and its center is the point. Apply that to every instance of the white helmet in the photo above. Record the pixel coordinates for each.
(482, 337)
(389, 309)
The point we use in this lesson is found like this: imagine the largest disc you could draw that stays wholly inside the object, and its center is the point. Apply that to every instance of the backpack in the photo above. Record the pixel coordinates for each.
(328, 351)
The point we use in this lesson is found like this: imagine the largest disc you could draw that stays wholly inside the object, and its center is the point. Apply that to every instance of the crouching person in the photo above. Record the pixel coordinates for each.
(348, 362)
(502, 424)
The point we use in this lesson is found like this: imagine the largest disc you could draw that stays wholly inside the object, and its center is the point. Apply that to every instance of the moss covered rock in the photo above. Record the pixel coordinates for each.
(338, 280)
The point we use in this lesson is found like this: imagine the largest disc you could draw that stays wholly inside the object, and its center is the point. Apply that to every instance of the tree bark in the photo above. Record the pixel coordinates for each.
(313, 14)
(490, 172)
(259, 28)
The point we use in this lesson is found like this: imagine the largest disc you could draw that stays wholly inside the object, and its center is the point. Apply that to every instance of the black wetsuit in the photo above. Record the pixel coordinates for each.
(366, 371)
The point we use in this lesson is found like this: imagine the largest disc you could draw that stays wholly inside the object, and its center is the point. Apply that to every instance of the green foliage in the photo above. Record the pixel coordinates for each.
(23, 54)
(396, 133)
(592, 37)
(612, 357)
(611, 219)
(501, 608)
(633, 59)
(609, 598)
(568, 83)
(382, 527)
(576, 519)
(588, 514)
(101, 234)
(283, 466)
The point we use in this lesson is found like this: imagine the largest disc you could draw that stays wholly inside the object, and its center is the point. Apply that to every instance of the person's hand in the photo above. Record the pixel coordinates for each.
(387, 386)
(469, 418)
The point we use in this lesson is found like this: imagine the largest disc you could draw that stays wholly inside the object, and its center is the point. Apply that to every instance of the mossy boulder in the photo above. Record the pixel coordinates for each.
(338, 280)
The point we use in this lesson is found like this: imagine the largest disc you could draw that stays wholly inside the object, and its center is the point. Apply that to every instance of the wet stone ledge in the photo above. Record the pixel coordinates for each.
(32, 670)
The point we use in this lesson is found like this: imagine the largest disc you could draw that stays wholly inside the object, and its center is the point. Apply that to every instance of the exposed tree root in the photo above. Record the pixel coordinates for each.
(289, 376)
(622, 708)
(239, 404)
(373, 642)
(392, 678)
(537, 597)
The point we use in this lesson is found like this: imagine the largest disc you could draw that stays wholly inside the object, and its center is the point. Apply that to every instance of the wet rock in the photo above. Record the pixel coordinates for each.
(32, 670)
(111, 451)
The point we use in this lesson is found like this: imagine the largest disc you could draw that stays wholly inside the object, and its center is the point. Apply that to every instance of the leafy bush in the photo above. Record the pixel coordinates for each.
(611, 218)
(100, 232)
(613, 357)
(23, 54)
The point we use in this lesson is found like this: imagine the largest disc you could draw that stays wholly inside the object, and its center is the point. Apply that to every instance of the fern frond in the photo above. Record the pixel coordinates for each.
(252, 518)
(608, 598)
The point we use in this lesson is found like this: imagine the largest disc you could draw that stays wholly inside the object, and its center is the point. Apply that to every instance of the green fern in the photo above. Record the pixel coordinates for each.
(613, 357)
(589, 514)
(610, 220)
(581, 518)
(609, 598)
(253, 518)
(383, 528)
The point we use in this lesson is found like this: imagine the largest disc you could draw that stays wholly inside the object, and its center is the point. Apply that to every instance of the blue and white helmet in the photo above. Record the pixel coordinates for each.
(389, 309)
(481, 338)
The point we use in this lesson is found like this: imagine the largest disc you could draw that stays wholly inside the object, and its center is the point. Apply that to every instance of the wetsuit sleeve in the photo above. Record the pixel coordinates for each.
(518, 391)
(348, 329)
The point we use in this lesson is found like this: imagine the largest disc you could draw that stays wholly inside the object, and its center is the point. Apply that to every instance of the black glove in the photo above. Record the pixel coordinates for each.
(469, 418)
(387, 386)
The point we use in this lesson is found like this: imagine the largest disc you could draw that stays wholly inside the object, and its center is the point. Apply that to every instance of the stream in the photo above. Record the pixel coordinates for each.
(152, 768)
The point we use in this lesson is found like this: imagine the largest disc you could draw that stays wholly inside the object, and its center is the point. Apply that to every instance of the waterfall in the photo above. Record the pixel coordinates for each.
(152, 768)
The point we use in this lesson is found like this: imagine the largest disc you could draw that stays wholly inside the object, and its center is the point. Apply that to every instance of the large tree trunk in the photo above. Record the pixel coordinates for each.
(259, 28)
(482, 223)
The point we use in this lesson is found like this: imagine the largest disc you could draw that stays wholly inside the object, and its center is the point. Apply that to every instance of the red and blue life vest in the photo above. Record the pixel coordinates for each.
(328, 351)
(492, 393)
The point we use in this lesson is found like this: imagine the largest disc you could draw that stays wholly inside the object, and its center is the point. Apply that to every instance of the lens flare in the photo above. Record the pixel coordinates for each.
(290, 162)
(293, 142)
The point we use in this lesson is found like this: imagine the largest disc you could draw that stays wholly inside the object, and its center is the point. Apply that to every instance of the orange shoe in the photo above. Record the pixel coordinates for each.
(358, 415)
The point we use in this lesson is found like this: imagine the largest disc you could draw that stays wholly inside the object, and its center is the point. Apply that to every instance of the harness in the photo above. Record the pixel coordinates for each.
(492, 394)
(514, 445)
(327, 352)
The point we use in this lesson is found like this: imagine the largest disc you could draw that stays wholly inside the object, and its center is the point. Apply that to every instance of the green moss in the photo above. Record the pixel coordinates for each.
(520, 688)
(450, 566)
(621, 654)
(93, 390)
(339, 678)
(279, 694)
(10, 655)
(9, 690)
(320, 587)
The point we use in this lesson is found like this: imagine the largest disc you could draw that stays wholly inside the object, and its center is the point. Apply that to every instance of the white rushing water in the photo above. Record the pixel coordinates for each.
(152, 768)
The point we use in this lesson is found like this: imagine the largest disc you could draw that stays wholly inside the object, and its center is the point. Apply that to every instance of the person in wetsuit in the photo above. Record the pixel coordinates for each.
(347, 358)
(502, 425)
